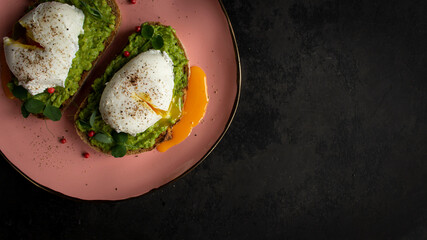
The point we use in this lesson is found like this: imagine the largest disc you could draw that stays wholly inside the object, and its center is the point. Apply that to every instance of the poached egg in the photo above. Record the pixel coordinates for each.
(55, 27)
(139, 94)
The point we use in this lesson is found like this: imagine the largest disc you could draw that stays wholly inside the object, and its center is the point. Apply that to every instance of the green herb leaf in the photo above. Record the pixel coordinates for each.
(157, 42)
(72, 2)
(20, 92)
(118, 151)
(92, 119)
(120, 138)
(103, 138)
(53, 113)
(84, 4)
(24, 111)
(94, 11)
(34, 106)
(147, 31)
(84, 124)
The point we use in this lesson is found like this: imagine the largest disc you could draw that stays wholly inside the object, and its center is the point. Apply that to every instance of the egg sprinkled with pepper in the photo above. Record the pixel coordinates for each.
(139, 94)
(43, 59)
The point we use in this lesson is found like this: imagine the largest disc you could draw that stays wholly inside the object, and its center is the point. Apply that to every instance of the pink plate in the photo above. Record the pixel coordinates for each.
(32, 145)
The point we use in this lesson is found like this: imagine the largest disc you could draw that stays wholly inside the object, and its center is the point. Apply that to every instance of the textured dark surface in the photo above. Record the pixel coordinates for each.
(329, 141)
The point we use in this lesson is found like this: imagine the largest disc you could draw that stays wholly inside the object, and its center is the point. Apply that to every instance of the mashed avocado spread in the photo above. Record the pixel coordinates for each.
(137, 44)
(98, 25)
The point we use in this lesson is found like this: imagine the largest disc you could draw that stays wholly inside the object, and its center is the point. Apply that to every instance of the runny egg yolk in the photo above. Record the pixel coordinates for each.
(194, 109)
(145, 99)
(5, 76)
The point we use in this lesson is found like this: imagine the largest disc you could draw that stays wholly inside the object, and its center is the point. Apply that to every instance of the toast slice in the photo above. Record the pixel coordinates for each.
(115, 11)
(164, 136)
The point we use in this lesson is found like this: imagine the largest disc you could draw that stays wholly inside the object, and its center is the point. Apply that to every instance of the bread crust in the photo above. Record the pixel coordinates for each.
(167, 135)
(116, 11)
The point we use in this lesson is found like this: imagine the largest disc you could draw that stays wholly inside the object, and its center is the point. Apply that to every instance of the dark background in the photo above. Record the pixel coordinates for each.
(329, 141)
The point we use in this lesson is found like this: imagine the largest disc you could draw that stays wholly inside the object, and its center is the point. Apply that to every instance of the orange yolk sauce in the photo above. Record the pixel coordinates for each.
(6, 76)
(194, 109)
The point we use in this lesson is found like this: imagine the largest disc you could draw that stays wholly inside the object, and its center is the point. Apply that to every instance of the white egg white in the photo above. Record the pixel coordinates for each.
(56, 28)
(138, 93)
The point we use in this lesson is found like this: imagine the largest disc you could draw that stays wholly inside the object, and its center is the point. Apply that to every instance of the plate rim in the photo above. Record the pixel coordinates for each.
(230, 120)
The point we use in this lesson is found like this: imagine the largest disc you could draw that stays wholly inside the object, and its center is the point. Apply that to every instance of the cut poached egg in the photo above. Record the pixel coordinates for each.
(56, 28)
(139, 94)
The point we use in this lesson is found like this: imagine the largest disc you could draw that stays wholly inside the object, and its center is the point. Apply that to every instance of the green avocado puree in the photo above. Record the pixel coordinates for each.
(91, 43)
(138, 44)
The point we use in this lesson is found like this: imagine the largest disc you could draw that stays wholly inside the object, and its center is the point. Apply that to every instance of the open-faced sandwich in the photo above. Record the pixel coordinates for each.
(134, 105)
(53, 49)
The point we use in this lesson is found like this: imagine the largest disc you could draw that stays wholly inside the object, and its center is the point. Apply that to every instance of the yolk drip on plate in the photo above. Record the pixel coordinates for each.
(194, 109)
(5, 76)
